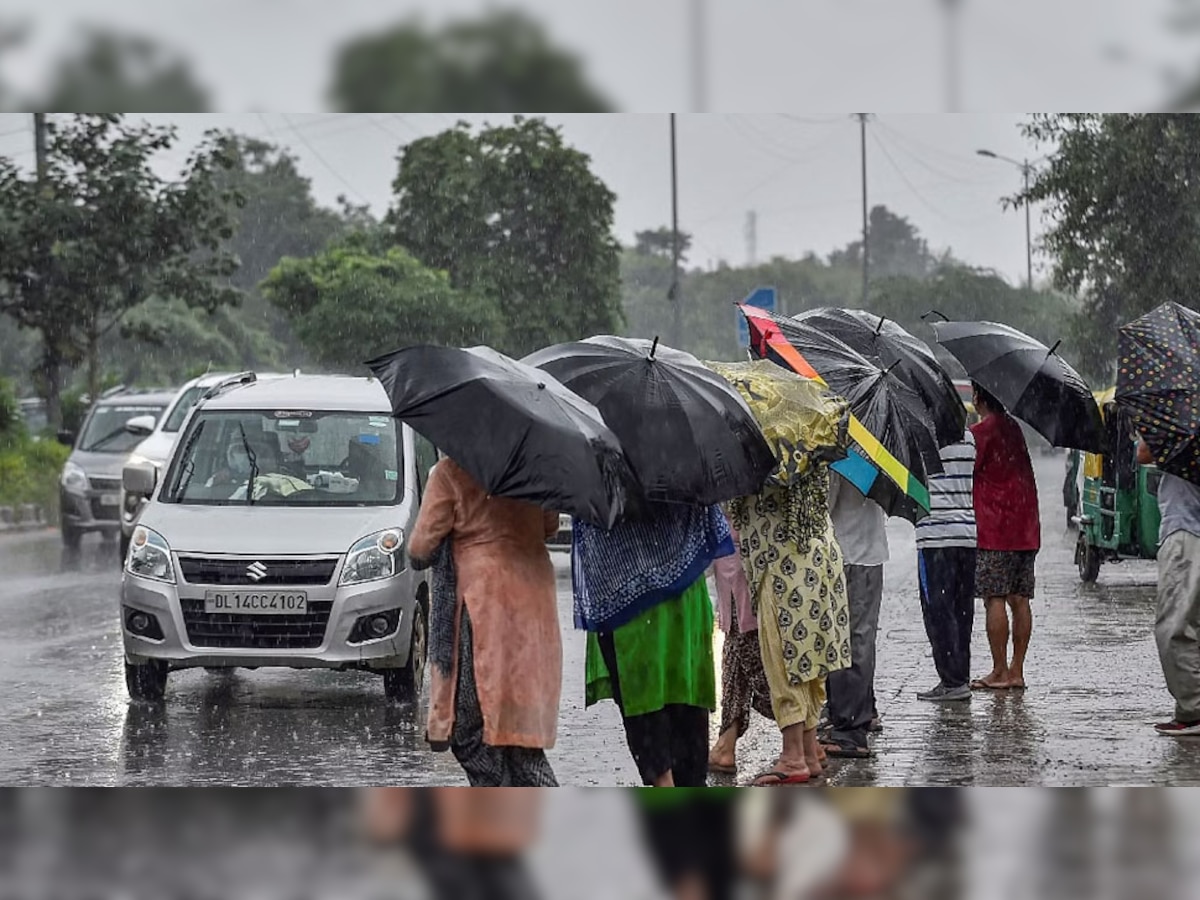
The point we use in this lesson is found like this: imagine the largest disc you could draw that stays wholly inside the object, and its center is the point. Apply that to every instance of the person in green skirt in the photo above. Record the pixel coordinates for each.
(640, 593)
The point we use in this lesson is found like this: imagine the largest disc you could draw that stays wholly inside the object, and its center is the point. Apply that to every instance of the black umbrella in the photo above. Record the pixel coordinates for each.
(1034, 383)
(515, 429)
(1158, 383)
(888, 345)
(687, 432)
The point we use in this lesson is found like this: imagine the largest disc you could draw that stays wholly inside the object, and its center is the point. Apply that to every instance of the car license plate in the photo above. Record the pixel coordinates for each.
(256, 603)
(110, 499)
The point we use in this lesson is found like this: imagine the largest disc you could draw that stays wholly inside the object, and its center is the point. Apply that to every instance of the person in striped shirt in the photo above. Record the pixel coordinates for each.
(946, 567)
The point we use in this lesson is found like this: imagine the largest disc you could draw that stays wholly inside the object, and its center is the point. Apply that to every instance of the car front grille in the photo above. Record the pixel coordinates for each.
(304, 631)
(105, 485)
(102, 513)
(253, 572)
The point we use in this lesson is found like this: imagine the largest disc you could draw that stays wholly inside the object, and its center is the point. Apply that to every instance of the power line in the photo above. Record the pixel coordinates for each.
(897, 137)
(321, 159)
(912, 188)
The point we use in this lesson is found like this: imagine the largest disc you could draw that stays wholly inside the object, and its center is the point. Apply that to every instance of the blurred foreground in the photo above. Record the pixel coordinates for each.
(377, 843)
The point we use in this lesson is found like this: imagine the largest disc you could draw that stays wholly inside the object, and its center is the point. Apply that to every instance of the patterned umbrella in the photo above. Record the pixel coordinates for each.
(797, 416)
(1158, 383)
(887, 424)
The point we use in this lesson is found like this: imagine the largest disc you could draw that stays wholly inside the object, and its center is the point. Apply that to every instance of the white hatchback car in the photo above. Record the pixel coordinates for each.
(275, 536)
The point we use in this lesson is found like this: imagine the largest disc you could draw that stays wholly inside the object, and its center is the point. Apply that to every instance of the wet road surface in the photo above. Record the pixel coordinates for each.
(1095, 687)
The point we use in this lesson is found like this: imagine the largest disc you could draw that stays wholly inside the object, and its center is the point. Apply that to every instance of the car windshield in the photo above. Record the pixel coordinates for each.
(286, 458)
(105, 430)
(182, 407)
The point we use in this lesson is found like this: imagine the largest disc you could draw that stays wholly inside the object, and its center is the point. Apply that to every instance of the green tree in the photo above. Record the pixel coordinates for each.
(110, 72)
(660, 242)
(502, 62)
(350, 304)
(896, 247)
(1123, 197)
(514, 214)
(102, 233)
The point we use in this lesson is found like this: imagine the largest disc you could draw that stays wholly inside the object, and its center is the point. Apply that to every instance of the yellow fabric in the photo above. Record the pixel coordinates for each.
(796, 415)
(793, 704)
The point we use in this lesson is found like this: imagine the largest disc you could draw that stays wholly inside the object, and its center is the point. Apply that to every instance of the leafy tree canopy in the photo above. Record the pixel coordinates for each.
(1123, 199)
(660, 242)
(350, 304)
(501, 62)
(514, 214)
(103, 232)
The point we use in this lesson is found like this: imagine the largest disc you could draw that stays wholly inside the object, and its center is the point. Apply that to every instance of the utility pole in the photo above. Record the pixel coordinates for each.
(39, 145)
(751, 237)
(676, 294)
(699, 23)
(953, 8)
(862, 125)
(1028, 232)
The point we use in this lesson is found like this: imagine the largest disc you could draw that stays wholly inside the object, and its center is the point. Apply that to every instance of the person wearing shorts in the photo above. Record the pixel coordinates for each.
(1009, 534)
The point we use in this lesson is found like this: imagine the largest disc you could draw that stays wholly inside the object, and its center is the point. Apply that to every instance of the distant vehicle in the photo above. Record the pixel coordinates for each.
(275, 536)
(155, 447)
(90, 483)
(565, 532)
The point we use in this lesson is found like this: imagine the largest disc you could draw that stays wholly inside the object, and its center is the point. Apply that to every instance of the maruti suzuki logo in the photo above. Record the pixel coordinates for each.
(256, 572)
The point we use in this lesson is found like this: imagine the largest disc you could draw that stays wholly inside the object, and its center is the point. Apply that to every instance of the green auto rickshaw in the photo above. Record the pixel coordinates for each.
(1118, 517)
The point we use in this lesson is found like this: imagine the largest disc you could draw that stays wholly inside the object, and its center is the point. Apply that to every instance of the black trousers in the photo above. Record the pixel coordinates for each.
(697, 837)
(948, 603)
(673, 739)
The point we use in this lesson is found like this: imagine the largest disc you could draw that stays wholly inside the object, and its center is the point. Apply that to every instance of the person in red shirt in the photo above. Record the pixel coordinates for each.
(1009, 537)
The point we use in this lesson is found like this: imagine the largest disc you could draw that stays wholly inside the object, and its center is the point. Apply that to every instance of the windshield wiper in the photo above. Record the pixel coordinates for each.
(186, 479)
(112, 435)
(253, 465)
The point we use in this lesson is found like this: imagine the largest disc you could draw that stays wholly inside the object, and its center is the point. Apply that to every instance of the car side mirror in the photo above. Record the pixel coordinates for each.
(141, 425)
(139, 478)
(66, 438)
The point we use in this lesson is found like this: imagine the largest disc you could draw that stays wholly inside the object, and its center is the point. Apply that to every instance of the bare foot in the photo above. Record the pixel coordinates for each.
(993, 681)
(782, 772)
(813, 754)
(723, 755)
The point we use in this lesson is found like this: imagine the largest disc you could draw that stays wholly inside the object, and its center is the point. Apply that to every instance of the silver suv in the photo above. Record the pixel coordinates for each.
(276, 537)
(90, 483)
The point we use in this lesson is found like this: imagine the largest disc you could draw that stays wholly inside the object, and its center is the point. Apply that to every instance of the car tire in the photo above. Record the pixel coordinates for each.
(404, 685)
(1089, 563)
(147, 682)
(71, 537)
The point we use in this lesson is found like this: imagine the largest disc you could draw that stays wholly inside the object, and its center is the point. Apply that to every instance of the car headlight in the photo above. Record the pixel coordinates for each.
(74, 479)
(374, 557)
(150, 556)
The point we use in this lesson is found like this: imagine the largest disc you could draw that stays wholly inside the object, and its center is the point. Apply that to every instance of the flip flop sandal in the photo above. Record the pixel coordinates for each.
(779, 779)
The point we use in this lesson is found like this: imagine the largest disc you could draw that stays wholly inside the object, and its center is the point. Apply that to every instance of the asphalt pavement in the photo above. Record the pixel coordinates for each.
(1095, 688)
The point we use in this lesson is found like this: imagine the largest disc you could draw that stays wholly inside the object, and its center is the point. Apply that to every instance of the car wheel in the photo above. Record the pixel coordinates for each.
(404, 684)
(1089, 563)
(146, 682)
(71, 537)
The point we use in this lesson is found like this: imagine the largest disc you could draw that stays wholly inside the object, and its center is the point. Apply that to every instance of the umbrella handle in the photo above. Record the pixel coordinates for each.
(934, 312)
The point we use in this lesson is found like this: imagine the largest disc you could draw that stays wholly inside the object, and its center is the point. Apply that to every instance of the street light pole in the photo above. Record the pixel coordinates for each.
(676, 292)
(862, 125)
(1026, 167)
(699, 56)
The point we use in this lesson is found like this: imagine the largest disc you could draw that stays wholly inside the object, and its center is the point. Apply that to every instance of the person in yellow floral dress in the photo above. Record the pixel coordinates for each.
(794, 569)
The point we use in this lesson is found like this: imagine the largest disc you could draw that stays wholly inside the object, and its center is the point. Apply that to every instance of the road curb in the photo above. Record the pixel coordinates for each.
(25, 517)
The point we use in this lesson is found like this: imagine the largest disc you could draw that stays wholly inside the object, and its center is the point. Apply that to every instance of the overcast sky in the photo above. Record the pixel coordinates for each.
(799, 172)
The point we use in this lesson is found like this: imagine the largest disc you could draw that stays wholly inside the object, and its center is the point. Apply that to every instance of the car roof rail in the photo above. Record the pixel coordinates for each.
(233, 381)
(113, 391)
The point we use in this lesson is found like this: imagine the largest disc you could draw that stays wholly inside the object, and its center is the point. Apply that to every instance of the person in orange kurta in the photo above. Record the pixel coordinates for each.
(498, 709)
